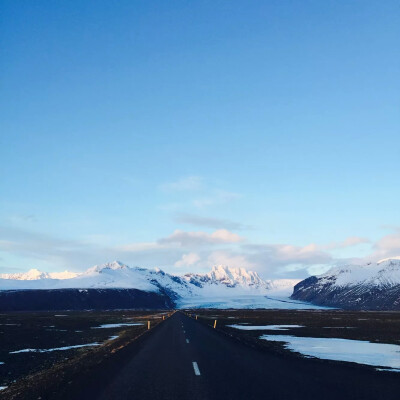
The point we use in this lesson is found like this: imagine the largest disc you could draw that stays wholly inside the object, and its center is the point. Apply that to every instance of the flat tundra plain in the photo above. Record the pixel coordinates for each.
(199, 354)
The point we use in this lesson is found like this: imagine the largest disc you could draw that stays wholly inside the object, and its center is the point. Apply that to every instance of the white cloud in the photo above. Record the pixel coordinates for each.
(230, 259)
(196, 249)
(389, 243)
(188, 259)
(44, 248)
(194, 192)
(280, 254)
(348, 242)
(189, 239)
(318, 269)
(209, 222)
(386, 247)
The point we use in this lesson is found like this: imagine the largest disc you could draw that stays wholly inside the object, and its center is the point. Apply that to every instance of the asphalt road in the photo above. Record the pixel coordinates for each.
(184, 359)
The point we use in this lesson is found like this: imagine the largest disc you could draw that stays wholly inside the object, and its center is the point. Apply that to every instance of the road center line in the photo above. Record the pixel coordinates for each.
(196, 368)
(187, 340)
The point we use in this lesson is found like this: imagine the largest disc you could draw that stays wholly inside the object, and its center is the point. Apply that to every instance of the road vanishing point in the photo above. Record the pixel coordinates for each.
(186, 359)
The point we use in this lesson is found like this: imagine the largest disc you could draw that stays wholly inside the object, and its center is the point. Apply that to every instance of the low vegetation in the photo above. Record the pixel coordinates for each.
(29, 374)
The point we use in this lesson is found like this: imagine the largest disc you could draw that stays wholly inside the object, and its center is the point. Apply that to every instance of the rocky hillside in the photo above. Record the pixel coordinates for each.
(367, 287)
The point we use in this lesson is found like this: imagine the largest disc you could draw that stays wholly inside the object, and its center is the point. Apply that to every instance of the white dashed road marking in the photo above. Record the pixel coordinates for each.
(196, 368)
(187, 340)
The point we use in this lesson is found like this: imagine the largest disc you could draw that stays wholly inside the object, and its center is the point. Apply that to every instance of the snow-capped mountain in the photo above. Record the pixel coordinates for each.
(114, 275)
(229, 277)
(35, 274)
(220, 281)
(119, 275)
(370, 286)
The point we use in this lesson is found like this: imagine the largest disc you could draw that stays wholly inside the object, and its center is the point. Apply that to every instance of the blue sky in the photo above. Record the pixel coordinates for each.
(263, 134)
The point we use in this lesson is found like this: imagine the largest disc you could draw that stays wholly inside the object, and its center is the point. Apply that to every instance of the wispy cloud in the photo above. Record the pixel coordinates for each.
(192, 249)
(348, 242)
(189, 183)
(42, 247)
(140, 246)
(18, 219)
(386, 247)
(46, 250)
(278, 255)
(189, 239)
(209, 222)
(216, 197)
(194, 192)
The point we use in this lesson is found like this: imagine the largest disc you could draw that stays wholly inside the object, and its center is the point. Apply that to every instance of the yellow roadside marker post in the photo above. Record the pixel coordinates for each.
(148, 325)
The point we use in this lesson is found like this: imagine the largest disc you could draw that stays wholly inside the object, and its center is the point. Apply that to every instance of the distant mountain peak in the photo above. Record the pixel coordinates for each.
(32, 275)
(233, 276)
(368, 286)
(35, 275)
(114, 265)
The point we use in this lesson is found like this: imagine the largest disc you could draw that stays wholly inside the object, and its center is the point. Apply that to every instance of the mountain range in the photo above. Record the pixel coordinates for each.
(117, 279)
(373, 286)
